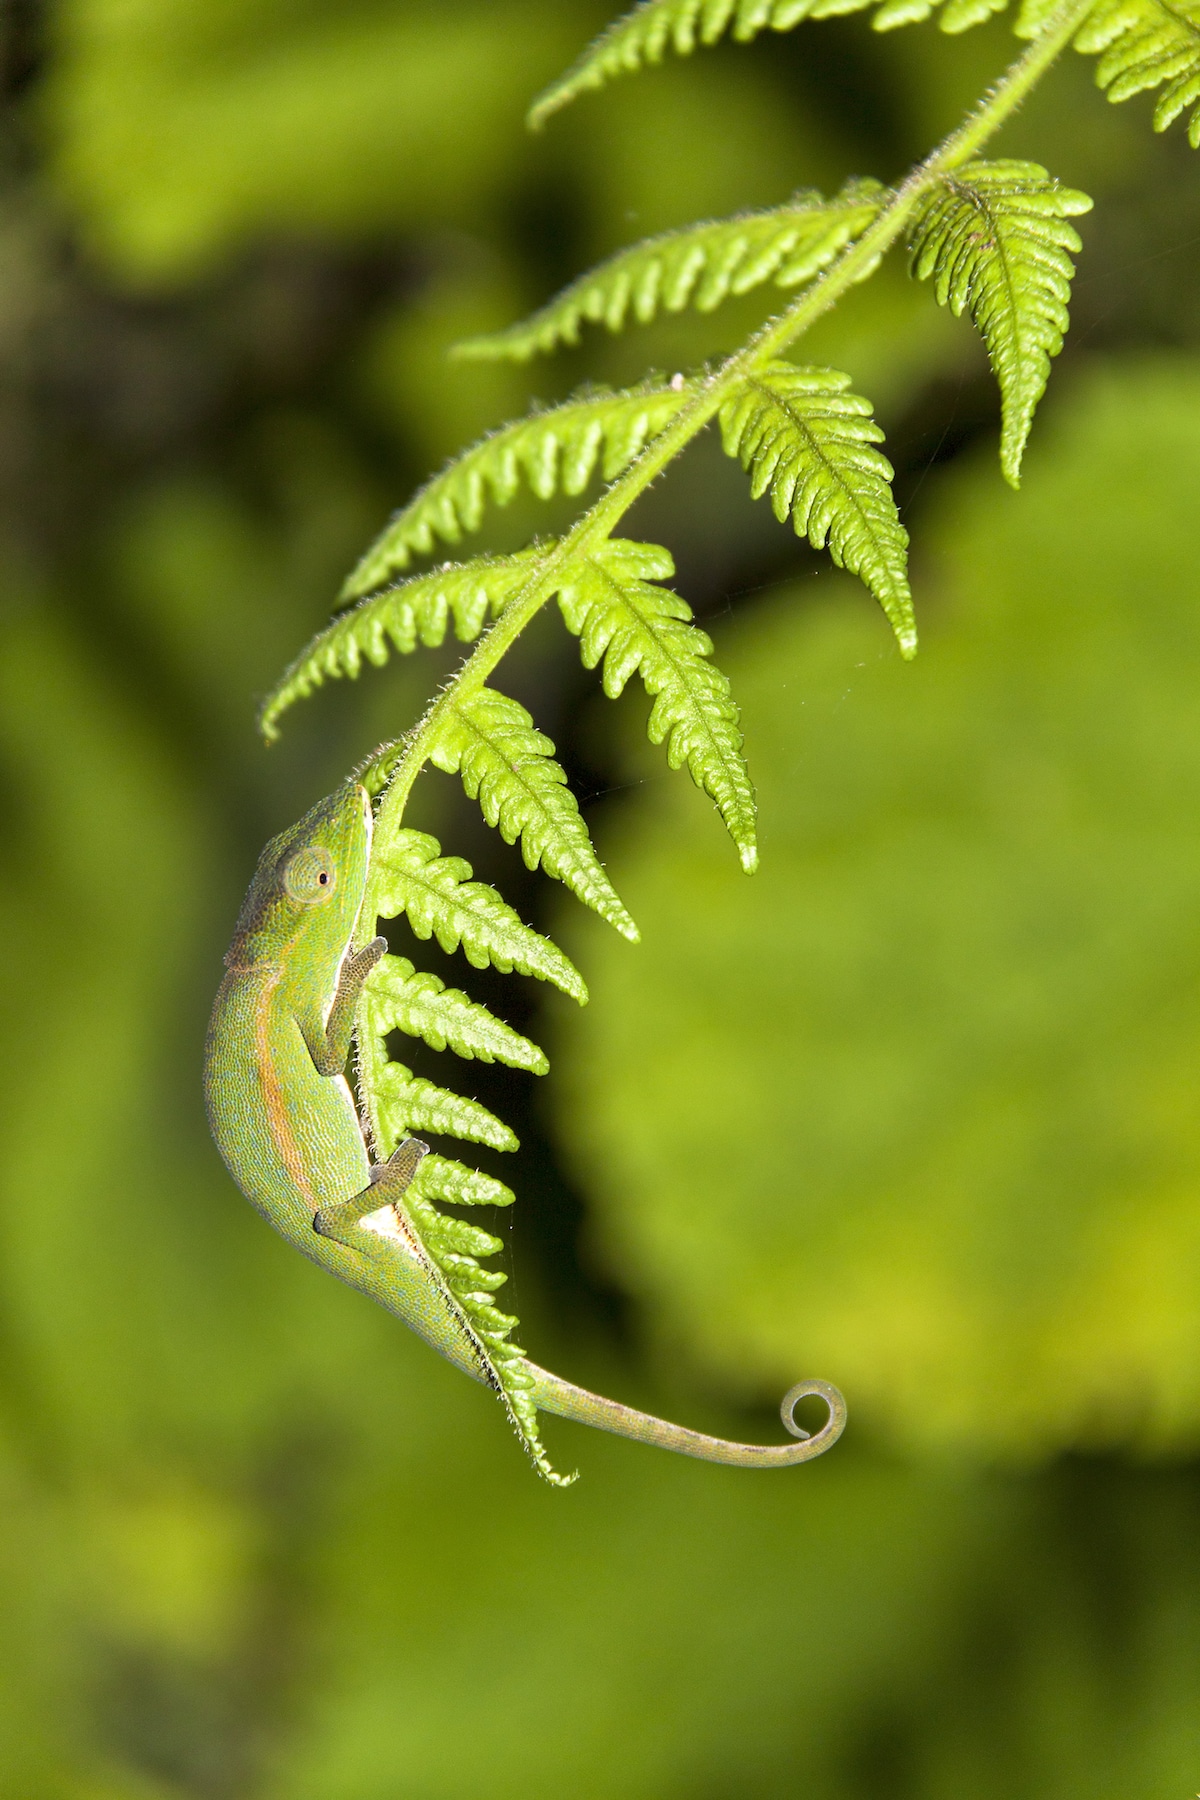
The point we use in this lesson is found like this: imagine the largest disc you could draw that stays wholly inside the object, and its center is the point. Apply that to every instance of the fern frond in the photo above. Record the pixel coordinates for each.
(438, 897)
(994, 238)
(700, 266)
(417, 611)
(801, 436)
(406, 1105)
(645, 35)
(507, 765)
(552, 451)
(612, 602)
(1148, 44)
(398, 997)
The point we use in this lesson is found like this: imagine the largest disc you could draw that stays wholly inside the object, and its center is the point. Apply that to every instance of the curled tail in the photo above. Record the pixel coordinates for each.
(552, 1394)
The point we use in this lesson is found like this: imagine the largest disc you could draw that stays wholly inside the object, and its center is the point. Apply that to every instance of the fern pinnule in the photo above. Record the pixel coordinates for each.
(507, 765)
(417, 611)
(405, 1104)
(399, 997)
(614, 604)
(645, 35)
(994, 238)
(436, 894)
(559, 449)
(700, 265)
(442, 1179)
(809, 443)
(953, 15)
(1148, 44)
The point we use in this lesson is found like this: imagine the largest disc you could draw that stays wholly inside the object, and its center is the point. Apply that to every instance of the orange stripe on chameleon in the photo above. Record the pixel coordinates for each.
(274, 1100)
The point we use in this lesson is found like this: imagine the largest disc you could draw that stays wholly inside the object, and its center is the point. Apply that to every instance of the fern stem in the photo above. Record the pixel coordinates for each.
(853, 265)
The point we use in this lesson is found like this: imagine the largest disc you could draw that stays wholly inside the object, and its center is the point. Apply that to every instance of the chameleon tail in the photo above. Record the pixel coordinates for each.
(553, 1394)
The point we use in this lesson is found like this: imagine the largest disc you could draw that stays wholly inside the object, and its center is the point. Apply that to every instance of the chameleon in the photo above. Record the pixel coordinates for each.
(284, 1119)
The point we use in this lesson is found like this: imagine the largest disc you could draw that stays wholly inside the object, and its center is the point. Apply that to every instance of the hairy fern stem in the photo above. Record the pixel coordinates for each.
(854, 264)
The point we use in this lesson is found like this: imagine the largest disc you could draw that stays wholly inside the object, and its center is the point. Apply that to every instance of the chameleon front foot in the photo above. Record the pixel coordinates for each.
(388, 1182)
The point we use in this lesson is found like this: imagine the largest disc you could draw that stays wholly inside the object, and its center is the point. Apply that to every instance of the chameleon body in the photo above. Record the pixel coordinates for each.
(285, 1122)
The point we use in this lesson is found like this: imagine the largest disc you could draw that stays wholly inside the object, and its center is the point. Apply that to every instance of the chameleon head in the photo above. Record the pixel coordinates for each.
(308, 888)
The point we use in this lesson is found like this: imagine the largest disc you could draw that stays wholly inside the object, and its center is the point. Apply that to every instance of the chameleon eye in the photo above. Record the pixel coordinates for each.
(310, 876)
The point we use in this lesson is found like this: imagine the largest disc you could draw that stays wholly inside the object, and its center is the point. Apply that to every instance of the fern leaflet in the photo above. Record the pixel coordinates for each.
(437, 896)
(551, 451)
(645, 35)
(399, 997)
(800, 435)
(698, 266)
(506, 764)
(407, 1105)
(994, 238)
(1148, 44)
(612, 602)
(417, 611)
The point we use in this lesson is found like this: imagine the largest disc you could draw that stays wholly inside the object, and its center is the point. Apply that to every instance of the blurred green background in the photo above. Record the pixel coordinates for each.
(914, 1110)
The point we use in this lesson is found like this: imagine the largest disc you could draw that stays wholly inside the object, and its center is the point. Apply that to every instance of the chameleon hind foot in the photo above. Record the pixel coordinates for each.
(388, 1183)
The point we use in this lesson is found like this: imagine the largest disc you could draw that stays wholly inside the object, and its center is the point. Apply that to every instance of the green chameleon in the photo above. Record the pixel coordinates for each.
(285, 1122)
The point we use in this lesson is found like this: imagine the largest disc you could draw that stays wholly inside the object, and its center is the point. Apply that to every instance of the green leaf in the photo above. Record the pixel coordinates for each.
(1146, 44)
(650, 30)
(953, 15)
(811, 444)
(506, 764)
(438, 897)
(645, 35)
(418, 611)
(559, 449)
(699, 266)
(439, 1179)
(993, 236)
(404, 1104)
(612, 602)
(396, 996)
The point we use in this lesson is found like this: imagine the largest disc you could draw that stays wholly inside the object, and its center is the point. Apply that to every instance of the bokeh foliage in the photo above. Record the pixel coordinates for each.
(913, 1110)
(931, 1082)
